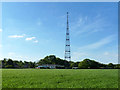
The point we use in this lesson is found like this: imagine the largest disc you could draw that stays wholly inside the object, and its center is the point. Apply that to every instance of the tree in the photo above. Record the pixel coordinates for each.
(117, 66)
(4, 62)
(84, 64)
(52, 59)
(111, 65)
(10, 64)
(15, 63)
(87, 63)
(31, 64)
(20, 64)
(73, 64)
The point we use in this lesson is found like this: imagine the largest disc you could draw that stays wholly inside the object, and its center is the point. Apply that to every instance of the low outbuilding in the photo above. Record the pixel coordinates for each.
(50, 66)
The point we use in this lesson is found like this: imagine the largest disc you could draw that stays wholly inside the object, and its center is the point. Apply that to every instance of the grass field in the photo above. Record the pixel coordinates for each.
(59, 78)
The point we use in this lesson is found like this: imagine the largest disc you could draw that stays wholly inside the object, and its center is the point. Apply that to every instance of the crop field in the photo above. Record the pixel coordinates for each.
(60, 78)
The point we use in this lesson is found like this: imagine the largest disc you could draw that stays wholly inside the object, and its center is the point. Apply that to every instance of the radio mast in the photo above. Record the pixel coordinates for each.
(67, 44)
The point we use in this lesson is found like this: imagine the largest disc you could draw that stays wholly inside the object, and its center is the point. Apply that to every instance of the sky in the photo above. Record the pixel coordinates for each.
(31, 31)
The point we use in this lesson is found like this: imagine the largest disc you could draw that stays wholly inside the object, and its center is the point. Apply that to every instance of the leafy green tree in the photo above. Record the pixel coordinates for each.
(84, 64)
(52, 59)
(9, 64)
(117, 66)
(31, 65)
(87, 63)
(72, 65)
(20, 64)
(16, 64)
(111, 65)
(4, 62)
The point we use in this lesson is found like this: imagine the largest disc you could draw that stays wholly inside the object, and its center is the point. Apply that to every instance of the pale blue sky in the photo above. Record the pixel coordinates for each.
(31, 31)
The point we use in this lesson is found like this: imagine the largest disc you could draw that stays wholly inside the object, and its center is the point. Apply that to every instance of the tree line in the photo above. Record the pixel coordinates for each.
(52, 59)
(9, 63)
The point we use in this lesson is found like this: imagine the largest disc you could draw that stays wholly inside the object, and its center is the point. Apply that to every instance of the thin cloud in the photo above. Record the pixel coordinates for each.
(0, 46)
(77, 55)
(0, 30)
(110, 54)
(39, 22)
(100, 43)
(106, 53)
(36, 41)
(88, 25)
(16, 36)
(30, 38)
(11, 54)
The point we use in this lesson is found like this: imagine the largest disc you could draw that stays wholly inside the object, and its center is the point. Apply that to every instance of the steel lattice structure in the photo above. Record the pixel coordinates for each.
(67, 44)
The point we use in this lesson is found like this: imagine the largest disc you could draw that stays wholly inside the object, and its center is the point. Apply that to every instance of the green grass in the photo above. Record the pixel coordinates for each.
(59, 78)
